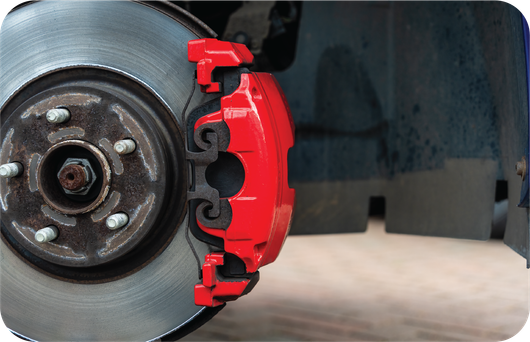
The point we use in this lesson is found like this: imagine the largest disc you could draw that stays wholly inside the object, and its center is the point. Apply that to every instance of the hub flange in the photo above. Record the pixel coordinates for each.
(75, 179)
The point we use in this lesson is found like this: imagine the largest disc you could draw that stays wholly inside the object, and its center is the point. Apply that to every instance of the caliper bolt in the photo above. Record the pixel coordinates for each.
(58, 115)
(46, 234)
(125, 146)
(117, 221)
(520, 168)
(11, 170)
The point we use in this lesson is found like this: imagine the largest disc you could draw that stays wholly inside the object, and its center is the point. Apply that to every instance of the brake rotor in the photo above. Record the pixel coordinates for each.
(121, 71)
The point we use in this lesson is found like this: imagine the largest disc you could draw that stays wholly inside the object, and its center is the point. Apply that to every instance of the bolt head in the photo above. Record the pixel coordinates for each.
(76, 176)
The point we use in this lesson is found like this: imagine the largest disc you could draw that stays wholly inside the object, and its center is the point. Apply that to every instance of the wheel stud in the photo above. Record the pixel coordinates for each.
(125, 146)
(117, 221)
(11, 170)
(46, 234)
(58, 115)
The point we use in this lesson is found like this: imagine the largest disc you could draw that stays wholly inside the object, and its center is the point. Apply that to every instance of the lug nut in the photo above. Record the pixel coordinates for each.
(125, 146)
(58, 115)
(11, 170)
(117, 221)
(46, 234)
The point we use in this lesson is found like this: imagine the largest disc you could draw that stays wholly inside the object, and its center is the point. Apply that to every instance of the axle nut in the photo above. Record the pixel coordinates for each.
(46, 234)
(11, 170)
(58, 115)
(125, 146)
(76, 176)
(117, 221)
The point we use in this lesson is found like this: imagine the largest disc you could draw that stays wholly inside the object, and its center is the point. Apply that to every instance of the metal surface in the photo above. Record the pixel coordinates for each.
(58, 115)
(155, 296)
(182, 16)
(117, 221)
(214, 291)
(211, 53)
(73, 183)
(125, 146)
(125, 109)
(76, 176)
(46, 234)
(254, 221)
(261, 140)
(11, 170)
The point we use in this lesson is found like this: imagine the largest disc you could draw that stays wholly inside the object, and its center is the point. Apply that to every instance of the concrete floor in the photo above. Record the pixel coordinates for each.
(380, 287)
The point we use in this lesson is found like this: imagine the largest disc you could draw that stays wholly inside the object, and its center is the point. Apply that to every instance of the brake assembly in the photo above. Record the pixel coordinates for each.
(101, 183)
(244, 136)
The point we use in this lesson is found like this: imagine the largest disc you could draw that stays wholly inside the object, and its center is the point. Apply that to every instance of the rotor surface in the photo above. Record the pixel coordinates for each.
(129, 40)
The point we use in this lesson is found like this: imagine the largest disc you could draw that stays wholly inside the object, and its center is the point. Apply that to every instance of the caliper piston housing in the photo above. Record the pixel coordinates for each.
(255, 125)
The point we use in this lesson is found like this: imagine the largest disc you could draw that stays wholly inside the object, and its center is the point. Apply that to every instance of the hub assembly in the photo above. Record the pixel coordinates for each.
(75, 179)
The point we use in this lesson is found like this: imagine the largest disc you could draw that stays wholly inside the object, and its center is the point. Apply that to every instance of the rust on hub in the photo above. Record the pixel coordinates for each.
(149, 185)
(54, 195)
(73, 177)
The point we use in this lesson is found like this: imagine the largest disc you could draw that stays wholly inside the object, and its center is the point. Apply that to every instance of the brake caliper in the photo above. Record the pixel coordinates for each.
(252, 122)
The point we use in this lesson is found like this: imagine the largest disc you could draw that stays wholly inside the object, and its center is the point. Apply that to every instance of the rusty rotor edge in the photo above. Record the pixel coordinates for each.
(171, 10)
(165, 7)
(175, 12)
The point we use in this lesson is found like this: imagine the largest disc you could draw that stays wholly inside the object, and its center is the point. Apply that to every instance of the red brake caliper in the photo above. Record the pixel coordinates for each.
(261, 131)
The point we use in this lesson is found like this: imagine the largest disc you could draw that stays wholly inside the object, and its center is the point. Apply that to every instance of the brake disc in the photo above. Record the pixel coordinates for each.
(120, 69)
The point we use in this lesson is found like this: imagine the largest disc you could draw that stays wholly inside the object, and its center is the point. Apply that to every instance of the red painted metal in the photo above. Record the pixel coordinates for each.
(261, 133)
(212, 53)
(213, 292)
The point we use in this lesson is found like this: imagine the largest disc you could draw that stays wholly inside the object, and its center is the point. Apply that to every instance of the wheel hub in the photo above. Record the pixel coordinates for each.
(74, 179)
